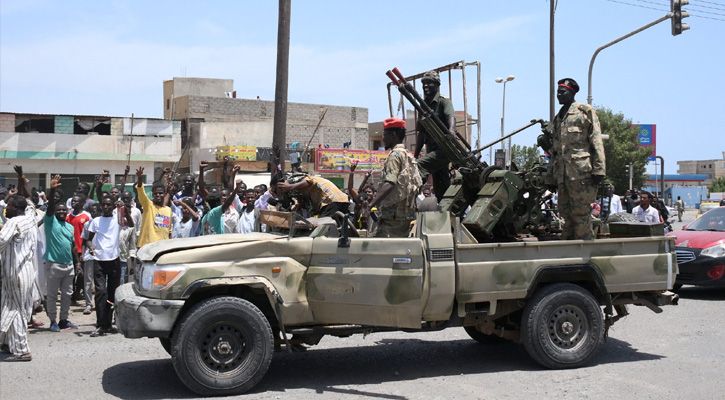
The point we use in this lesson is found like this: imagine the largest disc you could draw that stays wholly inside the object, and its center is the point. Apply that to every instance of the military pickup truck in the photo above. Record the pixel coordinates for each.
(221, 304)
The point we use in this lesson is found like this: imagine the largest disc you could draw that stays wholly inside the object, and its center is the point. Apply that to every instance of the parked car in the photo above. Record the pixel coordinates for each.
(700, 248)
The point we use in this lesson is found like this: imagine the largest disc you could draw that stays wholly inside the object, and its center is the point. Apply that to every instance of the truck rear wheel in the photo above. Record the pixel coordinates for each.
(222, 346)
(562, 326)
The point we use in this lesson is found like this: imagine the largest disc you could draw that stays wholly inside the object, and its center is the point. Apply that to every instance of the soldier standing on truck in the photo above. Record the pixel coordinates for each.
(435, 161)
(577, 160)
(401, 181)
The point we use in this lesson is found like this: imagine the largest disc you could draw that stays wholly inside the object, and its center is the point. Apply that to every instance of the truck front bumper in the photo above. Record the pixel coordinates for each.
(138, 316)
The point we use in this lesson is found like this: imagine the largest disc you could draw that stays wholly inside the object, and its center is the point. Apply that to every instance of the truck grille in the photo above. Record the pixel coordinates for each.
(684, 256)
(440, 254)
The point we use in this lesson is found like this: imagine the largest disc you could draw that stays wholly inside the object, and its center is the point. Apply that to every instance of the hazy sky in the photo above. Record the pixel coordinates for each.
(111, 57)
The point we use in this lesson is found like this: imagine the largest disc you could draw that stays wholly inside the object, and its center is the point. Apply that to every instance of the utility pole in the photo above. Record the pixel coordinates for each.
(552, 72)
(279, 135)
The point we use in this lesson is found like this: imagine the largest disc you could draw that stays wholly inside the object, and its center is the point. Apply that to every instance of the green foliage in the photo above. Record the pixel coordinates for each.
(621, 149)
(718, 185)
(525, 156)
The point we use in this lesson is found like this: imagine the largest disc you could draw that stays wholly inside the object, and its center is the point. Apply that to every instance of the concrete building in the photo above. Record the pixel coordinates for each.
(78, 147)
(712, 168)
(217, 119)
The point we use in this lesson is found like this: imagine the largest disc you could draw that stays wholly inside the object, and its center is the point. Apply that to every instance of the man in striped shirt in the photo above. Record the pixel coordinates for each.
(18, 241)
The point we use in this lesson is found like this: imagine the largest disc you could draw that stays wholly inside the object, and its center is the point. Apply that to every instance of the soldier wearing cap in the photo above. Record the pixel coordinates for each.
(401, 180)
(435, 161)
(577, 165)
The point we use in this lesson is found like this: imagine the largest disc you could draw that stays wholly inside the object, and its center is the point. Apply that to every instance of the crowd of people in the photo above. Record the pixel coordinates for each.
(57, 253)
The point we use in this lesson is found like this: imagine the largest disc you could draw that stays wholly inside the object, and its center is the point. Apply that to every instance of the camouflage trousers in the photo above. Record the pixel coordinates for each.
(392, 228)
(435, 163)
(575, 198)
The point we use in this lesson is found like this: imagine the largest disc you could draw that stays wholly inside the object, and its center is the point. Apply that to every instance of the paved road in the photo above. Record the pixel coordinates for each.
(679, 353)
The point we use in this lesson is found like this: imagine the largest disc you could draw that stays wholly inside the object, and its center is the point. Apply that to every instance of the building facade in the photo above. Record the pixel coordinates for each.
(79, 147)
(216, 119)
(712, 168)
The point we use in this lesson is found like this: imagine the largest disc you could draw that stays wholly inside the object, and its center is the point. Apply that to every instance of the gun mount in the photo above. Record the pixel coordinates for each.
(503, 203)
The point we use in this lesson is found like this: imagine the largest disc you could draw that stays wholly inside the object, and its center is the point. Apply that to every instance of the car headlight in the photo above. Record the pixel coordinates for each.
(717, 250)
(158, 277)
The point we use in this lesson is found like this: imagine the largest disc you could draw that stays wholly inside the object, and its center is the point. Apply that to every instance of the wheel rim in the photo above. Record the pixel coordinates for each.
(224, 349)
(567, 327)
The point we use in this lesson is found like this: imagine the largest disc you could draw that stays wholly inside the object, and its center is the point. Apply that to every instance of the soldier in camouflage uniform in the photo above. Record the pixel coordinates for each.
(435, 160)
(577, 161)
(401, 180)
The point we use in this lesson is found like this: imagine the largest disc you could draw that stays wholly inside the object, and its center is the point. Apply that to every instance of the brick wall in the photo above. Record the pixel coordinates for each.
(7, 122)
(341, 124)
(63, 124)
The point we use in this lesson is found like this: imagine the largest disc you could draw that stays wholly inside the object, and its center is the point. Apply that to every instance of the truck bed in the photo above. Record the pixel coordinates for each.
(496, 271)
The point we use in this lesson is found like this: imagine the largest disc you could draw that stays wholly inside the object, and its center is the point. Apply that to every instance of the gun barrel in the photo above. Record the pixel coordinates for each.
(532, 123)
(429, 121)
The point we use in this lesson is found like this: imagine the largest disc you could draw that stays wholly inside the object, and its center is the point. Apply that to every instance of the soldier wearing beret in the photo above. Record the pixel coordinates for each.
(401, 180)
(435, 161)
(577, 162)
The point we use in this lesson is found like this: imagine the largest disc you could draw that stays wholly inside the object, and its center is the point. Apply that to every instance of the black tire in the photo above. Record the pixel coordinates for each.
(222, 346)
(166, 344)
(484, 338)
(562, 326)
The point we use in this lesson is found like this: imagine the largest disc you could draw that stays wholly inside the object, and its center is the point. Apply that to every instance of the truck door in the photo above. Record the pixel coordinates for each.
(374, 282)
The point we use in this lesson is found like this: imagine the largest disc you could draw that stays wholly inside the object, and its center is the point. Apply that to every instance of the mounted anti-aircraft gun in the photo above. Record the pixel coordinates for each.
(503, 203)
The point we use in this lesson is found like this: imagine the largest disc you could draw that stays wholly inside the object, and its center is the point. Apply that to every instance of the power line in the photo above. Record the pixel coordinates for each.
(659, 9)
(712, 8)
(636, 5)
(691, 5)
(709, 2)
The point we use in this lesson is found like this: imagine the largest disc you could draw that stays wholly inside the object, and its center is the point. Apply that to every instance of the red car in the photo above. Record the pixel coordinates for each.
(700, 248)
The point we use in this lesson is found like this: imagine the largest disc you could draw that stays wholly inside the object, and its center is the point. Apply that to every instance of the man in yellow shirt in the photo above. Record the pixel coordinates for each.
(156, 217)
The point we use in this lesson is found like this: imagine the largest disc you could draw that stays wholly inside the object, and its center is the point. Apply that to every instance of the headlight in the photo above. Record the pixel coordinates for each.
(717, 250)
(158, 277)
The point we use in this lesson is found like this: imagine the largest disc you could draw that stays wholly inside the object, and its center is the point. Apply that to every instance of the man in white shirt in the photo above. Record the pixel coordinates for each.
(643, 211)
(103, 242)
(248, 216)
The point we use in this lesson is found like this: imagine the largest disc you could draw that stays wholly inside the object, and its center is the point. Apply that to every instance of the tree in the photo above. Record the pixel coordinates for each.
(524, 156)
(717, 186)
(621, 149)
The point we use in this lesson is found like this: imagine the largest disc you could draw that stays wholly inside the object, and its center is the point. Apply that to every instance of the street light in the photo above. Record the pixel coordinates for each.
(503, 115)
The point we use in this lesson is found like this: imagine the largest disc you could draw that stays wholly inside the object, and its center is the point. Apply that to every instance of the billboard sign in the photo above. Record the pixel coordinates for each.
(338, 160)
(647, 137)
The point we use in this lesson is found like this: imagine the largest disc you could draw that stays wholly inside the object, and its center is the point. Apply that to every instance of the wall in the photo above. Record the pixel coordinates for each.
(341, 124)
(178, 87)
(7, 122)
(212, 134)
(64, 124)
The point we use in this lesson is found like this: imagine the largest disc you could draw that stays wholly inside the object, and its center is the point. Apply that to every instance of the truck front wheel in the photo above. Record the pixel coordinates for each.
(222, 346)
(562, 326)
